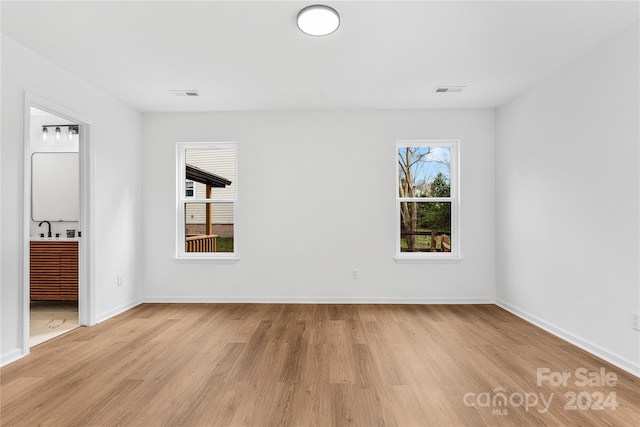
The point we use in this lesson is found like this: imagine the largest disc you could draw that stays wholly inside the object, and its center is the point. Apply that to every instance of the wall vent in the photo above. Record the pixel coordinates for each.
(185, 92)
(449, 89)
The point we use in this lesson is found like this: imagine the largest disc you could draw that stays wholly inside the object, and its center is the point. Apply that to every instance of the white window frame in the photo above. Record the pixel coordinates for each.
(432, 257)
(181, 198)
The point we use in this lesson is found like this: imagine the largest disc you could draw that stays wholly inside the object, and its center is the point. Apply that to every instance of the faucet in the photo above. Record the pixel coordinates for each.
(48, 223)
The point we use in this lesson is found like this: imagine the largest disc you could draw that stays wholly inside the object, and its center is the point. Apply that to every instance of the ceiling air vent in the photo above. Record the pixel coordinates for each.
(185, 92)
(449, 89)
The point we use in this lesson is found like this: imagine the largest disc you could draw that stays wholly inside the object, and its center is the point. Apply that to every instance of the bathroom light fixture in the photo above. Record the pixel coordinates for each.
(318, 20)
(71, 130)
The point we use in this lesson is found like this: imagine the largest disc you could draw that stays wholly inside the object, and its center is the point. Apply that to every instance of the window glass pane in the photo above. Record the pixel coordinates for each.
(189, 193)
(425, 226)
(424, 171)
(217, 236)
(215, 167)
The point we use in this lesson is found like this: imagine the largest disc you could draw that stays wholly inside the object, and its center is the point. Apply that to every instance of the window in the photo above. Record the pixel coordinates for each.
(207, 194)
(189, 189)
(427, 201)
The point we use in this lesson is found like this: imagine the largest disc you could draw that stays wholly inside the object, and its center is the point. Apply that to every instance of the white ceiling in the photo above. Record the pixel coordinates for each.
(251, 56)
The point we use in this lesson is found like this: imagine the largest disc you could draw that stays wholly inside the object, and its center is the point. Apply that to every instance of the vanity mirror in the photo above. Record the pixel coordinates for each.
(55, 186)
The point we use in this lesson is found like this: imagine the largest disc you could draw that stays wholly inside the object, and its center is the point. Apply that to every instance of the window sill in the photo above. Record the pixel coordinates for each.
(404, 259)
(206, 260)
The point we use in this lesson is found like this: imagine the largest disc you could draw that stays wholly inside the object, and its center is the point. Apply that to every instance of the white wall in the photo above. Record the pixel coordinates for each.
(568, 201)
(316, 198)
(115, 135)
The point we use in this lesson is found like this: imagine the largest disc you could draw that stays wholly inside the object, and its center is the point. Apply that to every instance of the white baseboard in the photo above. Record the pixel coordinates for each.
(596, 350)
(318, 300)
(11, 356)
(117, 310)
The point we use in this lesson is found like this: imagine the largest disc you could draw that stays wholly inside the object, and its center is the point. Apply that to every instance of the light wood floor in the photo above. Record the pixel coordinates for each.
(310, 365)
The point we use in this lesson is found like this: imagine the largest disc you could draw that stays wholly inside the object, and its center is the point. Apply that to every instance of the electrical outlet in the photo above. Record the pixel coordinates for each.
(635, 320)
(354, 274)
(119, 280)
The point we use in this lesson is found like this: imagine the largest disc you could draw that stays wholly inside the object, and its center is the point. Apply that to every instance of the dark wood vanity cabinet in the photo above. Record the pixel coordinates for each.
(54, 271)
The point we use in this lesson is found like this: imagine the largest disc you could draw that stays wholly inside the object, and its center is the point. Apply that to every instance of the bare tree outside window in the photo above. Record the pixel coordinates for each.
(425, 199)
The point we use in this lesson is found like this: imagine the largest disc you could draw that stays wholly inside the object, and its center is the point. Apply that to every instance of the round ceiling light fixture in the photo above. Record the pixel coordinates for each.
(318, 20)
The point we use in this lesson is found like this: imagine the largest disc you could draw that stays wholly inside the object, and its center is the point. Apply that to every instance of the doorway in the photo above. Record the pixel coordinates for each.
(57, 289)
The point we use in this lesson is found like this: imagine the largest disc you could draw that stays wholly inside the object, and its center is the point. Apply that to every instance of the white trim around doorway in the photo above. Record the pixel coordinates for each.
(86, 282)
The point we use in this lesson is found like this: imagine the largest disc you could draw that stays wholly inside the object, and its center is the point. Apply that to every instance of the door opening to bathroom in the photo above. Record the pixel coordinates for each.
(56, 289)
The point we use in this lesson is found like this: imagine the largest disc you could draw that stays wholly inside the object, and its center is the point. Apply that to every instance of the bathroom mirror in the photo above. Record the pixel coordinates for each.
(55, 186)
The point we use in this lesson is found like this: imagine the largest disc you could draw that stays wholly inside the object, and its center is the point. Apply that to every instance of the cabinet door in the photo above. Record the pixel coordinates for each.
(69, 274)
(45, 273)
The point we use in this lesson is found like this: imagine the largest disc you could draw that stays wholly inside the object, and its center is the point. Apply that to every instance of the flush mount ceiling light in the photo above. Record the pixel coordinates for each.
(318, 20)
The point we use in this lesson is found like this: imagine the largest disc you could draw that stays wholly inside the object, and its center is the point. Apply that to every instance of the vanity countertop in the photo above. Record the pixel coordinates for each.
(53, 239)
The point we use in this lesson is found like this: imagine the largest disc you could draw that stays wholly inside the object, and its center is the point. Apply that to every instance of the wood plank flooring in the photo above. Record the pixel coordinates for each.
(314, 365)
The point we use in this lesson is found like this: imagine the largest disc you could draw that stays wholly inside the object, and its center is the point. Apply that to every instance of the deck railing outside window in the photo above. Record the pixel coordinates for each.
(202, 243)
